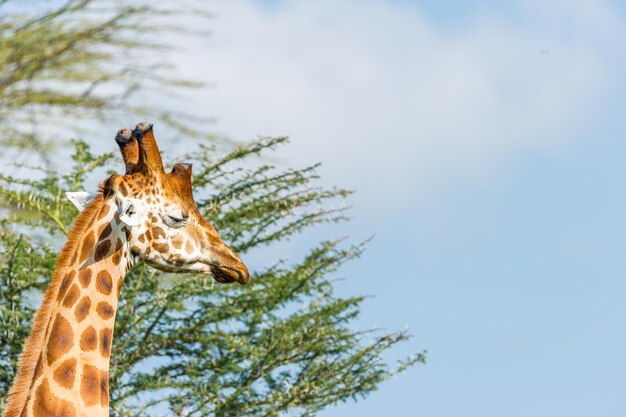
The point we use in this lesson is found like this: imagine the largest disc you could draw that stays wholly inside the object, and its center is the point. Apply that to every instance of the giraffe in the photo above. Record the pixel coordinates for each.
(145, 214)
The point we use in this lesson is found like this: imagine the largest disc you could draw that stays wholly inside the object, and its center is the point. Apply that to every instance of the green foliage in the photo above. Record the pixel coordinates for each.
(24, 268)
(65, 62)
(187, 346)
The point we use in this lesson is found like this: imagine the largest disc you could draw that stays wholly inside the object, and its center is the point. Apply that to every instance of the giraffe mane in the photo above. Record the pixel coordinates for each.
(18, 395)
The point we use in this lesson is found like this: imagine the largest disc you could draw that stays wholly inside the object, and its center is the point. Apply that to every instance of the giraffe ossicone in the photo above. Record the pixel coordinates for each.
(145, 215)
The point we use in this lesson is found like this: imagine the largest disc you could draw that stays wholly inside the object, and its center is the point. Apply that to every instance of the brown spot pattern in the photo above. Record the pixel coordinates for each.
(189, 247)
(71, 296)
(106, 231)
(88, 243)
(82, 309)
(65, 284)
(119, 284)
(105, 310)
(104, 388)
(46, 404)
(135, 251)
(177, 242)
(90, 385)
(162, 247)
(61, 339)
(104, 283)
(158, 233)
(106, 336)
(117, 257)
(84, 277)
(89, 339)
(103, 211)
(102, 250)
(65, 374)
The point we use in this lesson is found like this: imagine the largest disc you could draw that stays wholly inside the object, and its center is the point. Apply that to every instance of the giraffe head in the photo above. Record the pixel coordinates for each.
(163, 225)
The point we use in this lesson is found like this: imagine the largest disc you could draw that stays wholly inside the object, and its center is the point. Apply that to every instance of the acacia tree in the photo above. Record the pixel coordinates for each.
(183, 346)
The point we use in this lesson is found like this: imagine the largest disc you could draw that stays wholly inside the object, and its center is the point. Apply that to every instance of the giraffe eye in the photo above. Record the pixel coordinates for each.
(173, 221)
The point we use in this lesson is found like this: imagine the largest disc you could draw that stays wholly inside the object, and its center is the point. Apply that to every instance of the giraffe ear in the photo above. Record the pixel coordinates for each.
(80, 199)
(129, 213)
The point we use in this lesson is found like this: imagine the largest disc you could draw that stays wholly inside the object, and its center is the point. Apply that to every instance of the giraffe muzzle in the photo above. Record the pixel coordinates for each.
(227, 266)
(228, 274)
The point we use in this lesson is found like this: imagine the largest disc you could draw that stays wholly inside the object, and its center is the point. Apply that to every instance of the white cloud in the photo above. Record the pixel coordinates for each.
(393, 103)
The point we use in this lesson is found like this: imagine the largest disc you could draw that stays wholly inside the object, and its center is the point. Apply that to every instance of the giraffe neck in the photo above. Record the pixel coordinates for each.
(64, 370)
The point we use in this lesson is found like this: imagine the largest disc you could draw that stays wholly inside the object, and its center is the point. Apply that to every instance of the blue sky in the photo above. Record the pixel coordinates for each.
(485, 142)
